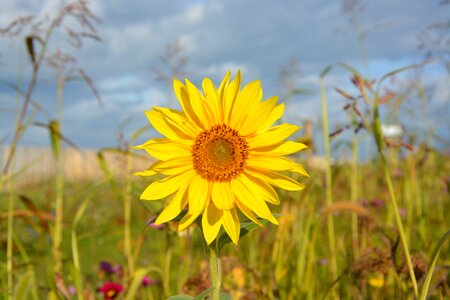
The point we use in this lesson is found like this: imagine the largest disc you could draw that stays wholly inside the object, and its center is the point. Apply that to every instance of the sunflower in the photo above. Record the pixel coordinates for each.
(220, 155)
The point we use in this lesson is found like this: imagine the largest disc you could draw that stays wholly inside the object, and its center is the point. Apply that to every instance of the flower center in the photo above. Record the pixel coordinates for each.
(111, 293)
(219, 154)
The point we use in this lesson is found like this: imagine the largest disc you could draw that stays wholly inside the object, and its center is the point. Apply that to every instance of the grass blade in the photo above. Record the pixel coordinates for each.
(434, 258)
(23, 286)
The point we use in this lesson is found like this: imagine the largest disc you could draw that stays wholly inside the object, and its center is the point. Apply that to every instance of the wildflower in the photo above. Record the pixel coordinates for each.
(110, 290)
(118, 270)
(72, 290)
(220, 154)
(105, 268)
(239, 276)
(147, 281)
(377, 203)
(376, 280)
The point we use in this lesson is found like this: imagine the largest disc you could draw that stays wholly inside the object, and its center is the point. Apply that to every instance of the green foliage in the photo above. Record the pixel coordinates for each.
(296, 249)
(23, 286)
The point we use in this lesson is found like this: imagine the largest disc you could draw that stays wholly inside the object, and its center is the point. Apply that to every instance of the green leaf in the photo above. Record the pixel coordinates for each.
(325, 71)
(395, 72)
(181, 297)
(180, 216)
(203, 294)
(437, 250)
(103, 164)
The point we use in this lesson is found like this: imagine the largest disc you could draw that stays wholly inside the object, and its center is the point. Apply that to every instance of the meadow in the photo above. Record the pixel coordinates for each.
(373, 228)
(289, 261)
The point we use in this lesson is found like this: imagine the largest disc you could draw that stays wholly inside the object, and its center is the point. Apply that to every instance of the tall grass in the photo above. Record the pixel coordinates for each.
(298, 269)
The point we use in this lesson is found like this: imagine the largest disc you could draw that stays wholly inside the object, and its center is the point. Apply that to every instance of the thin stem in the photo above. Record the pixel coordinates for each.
(58, 234)
(23, 111)
(329, 195)
(215, 271)
(354, 196)
(399, 224)
(9, 244)
(167, 266)
(378, 135)
(11, 198)
(127, 217)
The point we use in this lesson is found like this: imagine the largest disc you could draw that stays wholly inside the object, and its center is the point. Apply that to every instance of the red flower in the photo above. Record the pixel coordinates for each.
(110, 290)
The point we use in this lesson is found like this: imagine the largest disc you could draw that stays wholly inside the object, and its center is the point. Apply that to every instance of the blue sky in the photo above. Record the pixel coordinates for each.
(257, 37)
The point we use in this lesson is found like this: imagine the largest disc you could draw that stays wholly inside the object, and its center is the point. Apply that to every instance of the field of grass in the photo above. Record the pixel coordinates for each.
(289, 261)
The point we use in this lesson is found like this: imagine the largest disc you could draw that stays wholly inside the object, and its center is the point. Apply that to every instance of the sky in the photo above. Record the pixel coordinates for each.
(256, 37)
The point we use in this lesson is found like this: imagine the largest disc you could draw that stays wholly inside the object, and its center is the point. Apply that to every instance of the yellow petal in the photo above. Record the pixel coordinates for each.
(247, 212)
(231, 224)
(198, 105)
(276, 179)
(160, 123)
(183, 97)
(230, 94)
(173, 166)
(176, 205)
(165, 149)
(257, 190)
(250, 95)
(212, 100)
(272, 136)
(250, 200)
(221, 94)
(224, 82)
(199, 195)
(258, 116)
(274, 115)
(222, 195)
(146, 173)
(179, 120)
(211, 222)
(167, 186)
(263, 188)
(274, 163)
(284, 148)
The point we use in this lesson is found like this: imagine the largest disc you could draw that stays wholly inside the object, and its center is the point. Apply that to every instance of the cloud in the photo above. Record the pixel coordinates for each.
(216, 36)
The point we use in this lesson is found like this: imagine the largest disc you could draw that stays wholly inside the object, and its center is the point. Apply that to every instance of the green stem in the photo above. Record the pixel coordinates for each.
(399, 224)
(127, 218)
(11, 198)
(59, 205)
(167, 265)
(329, 194)
(378, 135)
(57, 239)
(9, 248)
(215, 271)
(354, 197)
